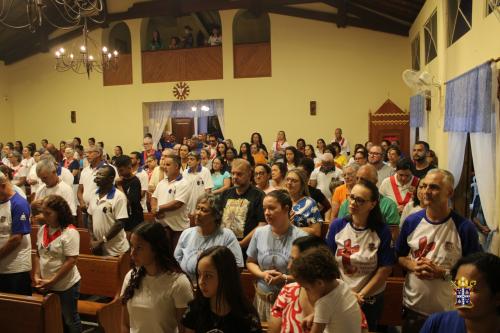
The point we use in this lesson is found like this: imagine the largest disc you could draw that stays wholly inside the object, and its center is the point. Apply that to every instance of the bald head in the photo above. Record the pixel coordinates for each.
(367, 172)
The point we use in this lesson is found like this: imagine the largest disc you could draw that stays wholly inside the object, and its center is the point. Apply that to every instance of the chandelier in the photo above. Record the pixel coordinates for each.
(88, 58)
(61, 14)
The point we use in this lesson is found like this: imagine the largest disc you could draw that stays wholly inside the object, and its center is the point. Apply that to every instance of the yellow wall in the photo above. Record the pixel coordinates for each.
(6, 121)
(347, 71)
(474, 48)
(477, 46)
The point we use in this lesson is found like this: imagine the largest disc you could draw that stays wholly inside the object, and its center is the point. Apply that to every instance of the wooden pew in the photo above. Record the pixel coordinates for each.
(30, 314)
(102, 276)
(324, 229)
(248, 284)
(149, 217)
(84, 239)
(393, 302)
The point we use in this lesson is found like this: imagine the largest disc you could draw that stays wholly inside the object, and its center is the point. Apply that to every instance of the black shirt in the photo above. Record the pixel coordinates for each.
(132, 189)
(201, 319)
(242, 213)
(421, 173)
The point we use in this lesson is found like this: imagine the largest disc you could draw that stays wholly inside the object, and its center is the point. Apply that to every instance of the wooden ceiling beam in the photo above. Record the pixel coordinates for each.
(334, 18)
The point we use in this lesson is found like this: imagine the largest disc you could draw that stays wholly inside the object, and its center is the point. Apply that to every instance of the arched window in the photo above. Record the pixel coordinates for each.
(117, 37)
(252, 44)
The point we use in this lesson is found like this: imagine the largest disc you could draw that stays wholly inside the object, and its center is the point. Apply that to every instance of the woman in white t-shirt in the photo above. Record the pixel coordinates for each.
(54, 266)
(155, 292)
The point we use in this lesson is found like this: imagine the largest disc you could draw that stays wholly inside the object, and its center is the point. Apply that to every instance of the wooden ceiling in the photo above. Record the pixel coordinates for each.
(390, 16)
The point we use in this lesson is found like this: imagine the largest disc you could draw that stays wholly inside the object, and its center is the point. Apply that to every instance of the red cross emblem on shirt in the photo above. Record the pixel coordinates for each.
(423, 248)
(346, 253)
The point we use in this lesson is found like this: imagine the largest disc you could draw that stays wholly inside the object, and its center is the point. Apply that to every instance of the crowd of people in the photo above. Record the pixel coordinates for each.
(219, 210)
(187, 40)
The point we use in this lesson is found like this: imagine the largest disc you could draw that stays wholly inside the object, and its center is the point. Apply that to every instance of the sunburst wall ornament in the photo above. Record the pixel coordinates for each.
(181, 90)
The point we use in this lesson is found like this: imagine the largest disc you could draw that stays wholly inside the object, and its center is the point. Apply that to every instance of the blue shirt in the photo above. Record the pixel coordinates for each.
(272, 252)
(444, 322)
(218, 179)
(192, 243)
(306, 213)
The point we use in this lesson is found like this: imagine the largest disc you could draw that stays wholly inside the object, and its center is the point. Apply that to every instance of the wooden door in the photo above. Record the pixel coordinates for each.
(182, 128)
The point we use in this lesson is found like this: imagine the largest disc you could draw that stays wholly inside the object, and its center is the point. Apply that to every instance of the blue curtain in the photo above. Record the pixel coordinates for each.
(468, 101)
(417, 109)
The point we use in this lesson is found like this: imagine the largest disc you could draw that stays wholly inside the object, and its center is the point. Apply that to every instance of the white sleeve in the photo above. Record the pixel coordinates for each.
(183, 191)
(71, 242)
(314, 174)
(182, 292)
(125, 282)
(322, 312)
(384, 188)
(120, 208)
(144, 181)
(207, 179)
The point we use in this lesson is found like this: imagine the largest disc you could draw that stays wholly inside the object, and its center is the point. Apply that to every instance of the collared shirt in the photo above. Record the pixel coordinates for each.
(87, 180)
(106, 211)
(388, 208)
(178, 190)
(199, 183)
(62, 189)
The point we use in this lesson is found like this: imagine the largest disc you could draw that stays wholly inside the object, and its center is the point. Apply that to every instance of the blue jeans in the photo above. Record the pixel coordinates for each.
(372, 308)
(69, 308)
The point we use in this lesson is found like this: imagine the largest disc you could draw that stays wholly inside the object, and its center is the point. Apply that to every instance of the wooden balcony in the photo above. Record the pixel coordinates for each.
(122, 75)
(252, 60)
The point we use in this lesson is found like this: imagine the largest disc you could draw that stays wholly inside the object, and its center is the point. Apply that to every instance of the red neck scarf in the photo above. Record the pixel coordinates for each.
(47, 239)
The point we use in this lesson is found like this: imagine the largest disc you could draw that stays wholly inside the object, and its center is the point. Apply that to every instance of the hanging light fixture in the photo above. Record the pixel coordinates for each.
(61, 14)
(88, 58)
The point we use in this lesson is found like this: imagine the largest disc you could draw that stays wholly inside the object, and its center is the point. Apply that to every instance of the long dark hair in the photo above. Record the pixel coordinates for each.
(222, 162)
(296, 155)
(312, 149)
(229, 287)
(59, 205)
(375, 218)
(260, 145)
(225, 149)
(248, 155)
(154, 234)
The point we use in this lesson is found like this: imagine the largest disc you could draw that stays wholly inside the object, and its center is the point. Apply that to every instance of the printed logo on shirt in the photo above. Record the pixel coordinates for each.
(3, 219)
(372, 246)
(23, 217)
(346, 253)
(448, 246)
(423, 248)
(462, 288)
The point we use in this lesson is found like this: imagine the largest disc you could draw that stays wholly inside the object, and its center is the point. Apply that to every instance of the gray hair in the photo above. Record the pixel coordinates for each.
(69, 149)
(17, 155)
(354, 166)
(45, 165)
(211, 200)
(447, 176)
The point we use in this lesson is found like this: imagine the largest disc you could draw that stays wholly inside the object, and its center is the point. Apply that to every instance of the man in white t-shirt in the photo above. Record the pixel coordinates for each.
(138, 171)
(322, 177)
(15, 241)
(199, 178)
(159, 172)
(170, 199)
(52, 184)
(342, 141)
(107, 215)
(430, 243)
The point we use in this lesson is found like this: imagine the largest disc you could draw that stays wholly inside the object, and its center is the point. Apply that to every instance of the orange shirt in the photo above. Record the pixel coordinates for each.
(259, 158)
(340, 194)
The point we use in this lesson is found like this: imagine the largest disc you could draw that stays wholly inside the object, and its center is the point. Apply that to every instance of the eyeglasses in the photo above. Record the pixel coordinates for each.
(262, 173)
(374, 153)
(358, 200)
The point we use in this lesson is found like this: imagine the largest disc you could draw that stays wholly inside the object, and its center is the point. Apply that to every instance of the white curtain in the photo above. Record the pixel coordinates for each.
(219, 107)
(483, 146)
(456, 153)
(423, 132)
(158, 117)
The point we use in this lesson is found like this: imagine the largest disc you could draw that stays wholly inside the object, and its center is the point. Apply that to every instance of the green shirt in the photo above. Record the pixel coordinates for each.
(387, 206)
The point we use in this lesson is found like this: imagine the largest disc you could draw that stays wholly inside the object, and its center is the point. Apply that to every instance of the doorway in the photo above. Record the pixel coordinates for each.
(182, 128)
